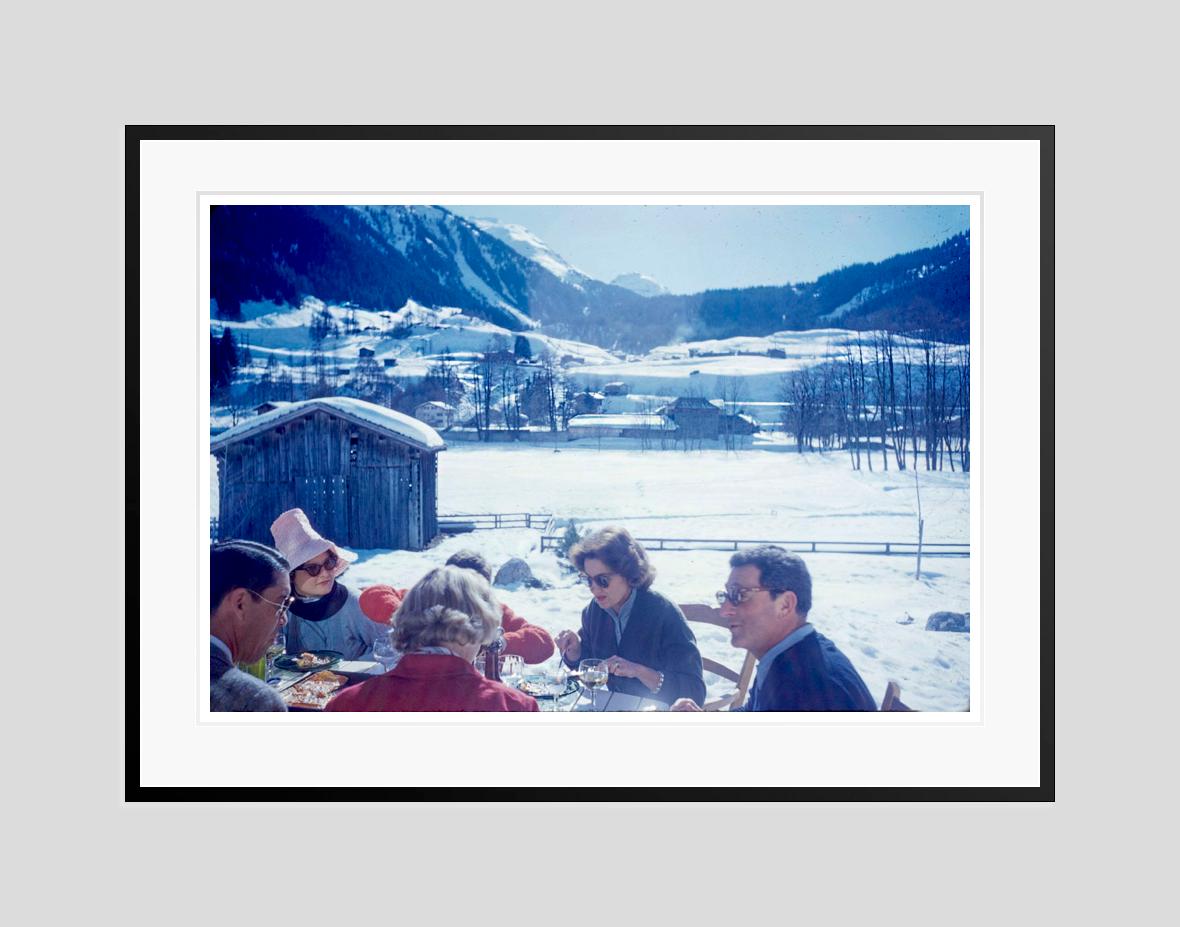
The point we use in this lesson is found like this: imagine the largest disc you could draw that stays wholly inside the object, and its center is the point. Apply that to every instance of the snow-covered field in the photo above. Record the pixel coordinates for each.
(766, 493)
(282, 333)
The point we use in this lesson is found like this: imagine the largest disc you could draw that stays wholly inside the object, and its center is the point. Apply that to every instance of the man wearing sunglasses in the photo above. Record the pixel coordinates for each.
(766, 602)
(249, 597)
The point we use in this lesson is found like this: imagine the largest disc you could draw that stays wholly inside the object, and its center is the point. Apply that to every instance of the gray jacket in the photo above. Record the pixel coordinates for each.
(232, 690)
(347, 630)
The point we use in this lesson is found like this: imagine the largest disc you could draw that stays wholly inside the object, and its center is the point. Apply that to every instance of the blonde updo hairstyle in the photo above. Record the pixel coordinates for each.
(449, 605)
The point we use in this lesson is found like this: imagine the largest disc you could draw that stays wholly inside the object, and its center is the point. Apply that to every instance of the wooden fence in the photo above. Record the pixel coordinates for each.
(891, 548)
(452, 524)
(488, 520)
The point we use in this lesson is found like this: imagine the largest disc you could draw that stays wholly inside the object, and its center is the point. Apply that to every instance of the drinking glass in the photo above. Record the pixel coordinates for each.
(511, 668)
(383, 650)
(593, 674)
(274, 650)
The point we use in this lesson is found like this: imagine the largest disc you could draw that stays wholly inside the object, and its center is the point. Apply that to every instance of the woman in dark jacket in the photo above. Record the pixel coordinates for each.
(644, 638)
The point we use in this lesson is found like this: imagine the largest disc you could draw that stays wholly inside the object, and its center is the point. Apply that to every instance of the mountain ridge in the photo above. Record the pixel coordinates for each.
(380, 257)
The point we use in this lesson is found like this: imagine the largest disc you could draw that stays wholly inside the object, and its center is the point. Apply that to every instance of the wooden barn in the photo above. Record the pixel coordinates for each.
(365, 475)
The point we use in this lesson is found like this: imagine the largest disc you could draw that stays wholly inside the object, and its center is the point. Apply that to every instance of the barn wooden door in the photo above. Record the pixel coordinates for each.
(325, 500)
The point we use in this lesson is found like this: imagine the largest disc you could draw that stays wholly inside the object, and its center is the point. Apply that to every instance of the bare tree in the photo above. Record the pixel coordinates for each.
(733, 394)
(964, 408)
(554, 386)
(800, 392)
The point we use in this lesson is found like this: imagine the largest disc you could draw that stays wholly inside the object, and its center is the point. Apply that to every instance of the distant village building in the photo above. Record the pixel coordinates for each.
(619, 425)
(268, 406)
(586, 403)
(367, 352)
(390, 361)
(776, 352)
(617, 388)
(500, 357)
(695, 417)
(731, 424)
(435, 414)
(365, 475)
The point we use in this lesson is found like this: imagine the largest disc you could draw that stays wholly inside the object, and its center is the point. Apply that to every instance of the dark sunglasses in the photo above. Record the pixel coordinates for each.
(313, 569)
(602, 579)
(739, 595)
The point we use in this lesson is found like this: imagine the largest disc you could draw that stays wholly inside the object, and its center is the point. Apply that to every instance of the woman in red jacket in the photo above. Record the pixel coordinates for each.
(441, 625)
(534, 644)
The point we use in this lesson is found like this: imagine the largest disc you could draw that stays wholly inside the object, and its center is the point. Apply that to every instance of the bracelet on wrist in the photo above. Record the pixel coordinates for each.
(659, 685)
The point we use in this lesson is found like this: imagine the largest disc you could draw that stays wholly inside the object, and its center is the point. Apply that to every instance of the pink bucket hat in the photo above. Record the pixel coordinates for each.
(299, 542)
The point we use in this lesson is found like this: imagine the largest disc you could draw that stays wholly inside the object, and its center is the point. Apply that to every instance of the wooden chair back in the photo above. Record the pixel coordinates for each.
(892, 700)
(708, 614)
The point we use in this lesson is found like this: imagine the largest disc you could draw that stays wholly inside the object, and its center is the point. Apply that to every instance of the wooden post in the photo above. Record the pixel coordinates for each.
(921, 526)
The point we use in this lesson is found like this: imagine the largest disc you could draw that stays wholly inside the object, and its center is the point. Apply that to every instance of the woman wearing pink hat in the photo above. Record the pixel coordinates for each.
(326, 614)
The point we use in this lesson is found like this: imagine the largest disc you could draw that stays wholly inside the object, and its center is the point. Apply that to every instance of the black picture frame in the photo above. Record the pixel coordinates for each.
(136, 791)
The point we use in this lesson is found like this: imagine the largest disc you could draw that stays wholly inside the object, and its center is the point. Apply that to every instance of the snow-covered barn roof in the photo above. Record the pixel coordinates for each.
(379, 418)
(692, 402)
(622, 420)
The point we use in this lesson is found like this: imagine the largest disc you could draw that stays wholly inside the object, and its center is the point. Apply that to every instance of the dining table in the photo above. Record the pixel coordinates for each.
(574, 697)
(579, 698)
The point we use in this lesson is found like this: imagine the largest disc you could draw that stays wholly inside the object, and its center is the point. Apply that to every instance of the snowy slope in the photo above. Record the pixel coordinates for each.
(423, 334)
(531, 247)
(641, 284)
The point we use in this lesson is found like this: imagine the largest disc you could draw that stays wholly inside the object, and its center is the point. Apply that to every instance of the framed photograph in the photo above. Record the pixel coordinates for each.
(431, 340)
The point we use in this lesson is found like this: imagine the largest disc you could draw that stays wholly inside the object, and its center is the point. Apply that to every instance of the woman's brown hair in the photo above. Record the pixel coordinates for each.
(618, 550)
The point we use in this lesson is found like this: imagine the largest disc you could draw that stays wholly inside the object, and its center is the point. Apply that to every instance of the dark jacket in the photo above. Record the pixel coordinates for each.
(812, 675)
(656, 636)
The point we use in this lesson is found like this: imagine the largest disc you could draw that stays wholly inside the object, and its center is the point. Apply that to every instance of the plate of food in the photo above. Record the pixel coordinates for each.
(315, 691)
(540, 686)
(309, 660)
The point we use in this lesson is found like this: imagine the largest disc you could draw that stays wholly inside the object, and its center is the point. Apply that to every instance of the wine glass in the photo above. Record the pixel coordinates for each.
(593, 674)
(511, 669)
(383, 650)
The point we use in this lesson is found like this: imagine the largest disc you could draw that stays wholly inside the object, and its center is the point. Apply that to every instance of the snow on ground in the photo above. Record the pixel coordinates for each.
(757, 494)
(284, 331)
(424, 334)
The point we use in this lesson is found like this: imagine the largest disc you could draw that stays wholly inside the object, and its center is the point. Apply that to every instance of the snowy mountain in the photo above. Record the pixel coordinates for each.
(530, 246)
(639, 283)
(379, 258)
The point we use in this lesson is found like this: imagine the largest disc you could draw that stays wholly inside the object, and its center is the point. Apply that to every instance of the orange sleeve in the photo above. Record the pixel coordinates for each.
(378, 603)
(532, 643)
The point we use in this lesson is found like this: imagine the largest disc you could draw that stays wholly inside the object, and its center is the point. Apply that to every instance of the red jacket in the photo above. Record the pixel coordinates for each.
(431, 682)
(532, 643)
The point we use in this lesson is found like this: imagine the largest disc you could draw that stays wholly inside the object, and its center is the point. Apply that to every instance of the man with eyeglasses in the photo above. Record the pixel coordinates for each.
(250, 593)
(766, 602)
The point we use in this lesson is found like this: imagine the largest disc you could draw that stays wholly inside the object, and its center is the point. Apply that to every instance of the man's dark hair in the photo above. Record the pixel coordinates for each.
(242, 564)
(780, 571)
(471, 560)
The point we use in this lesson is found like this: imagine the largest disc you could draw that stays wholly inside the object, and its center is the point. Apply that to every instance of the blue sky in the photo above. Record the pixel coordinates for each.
(692, 248)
